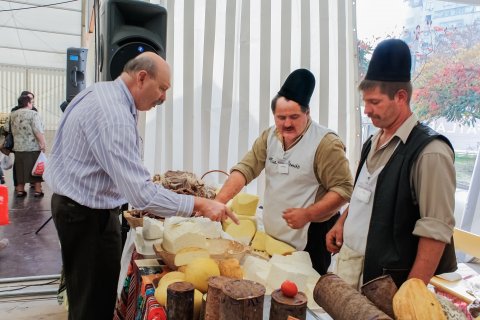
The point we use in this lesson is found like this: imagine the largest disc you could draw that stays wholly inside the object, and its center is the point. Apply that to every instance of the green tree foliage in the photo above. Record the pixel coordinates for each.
(448, 82)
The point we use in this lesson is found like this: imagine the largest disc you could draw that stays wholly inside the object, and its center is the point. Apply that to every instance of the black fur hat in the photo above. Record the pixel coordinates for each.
(299, 87)
(391, 62)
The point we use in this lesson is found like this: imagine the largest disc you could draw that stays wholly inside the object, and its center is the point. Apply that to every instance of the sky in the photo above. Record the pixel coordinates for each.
(380, 17)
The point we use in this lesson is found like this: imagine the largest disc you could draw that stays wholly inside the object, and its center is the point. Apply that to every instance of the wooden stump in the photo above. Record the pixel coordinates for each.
(212, 304)
(242, 299)
(180, 301)
(381, 291)
(282, 307)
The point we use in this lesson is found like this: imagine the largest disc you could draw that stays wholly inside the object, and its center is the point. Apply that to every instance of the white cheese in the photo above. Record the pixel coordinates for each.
(280, 272)
(152, 229)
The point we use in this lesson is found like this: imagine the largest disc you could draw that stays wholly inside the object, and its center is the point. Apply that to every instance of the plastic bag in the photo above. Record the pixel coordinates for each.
(39, 166)
(7, 162)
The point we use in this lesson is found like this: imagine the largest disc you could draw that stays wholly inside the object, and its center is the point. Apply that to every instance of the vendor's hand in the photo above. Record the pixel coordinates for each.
(296, 218)
(214, 210)
(334, 238)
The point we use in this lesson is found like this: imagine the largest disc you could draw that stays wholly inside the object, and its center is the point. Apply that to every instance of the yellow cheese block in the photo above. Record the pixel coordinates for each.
(274, 246)
(227, 222)
(245, 204)
(186, 255)
(258, 242)
(242, 232)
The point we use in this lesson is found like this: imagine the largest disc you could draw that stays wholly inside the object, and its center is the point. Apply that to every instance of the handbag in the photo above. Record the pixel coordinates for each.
(8, 143)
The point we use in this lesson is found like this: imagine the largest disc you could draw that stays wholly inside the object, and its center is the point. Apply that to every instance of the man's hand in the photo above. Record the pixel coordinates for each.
(214, 210)
(296, 218)
(334, 238)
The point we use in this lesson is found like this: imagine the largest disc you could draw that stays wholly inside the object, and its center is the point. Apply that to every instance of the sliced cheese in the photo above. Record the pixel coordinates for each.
(242, 232)
(228, 222)
(256, 269)
(152, 228)
(186, 255)
(258, 242)
(274, 246)
(174, 241)
(245, 204)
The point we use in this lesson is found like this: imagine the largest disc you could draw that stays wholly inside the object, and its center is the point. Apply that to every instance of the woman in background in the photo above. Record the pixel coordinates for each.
(29, 138)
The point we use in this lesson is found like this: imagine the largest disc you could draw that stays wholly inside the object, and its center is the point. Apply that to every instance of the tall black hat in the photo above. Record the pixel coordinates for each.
(299, 87)
(391, 62)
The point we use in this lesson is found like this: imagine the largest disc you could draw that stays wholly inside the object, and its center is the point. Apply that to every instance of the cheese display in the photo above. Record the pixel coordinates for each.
(152, 229)
(242, 232)
(199, 270)
(186, 255)
(181, 232)
(245, 204)
(274, 246)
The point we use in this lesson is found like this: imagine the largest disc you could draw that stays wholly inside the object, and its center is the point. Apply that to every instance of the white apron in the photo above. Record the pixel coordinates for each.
(355, 230)
(290, 182)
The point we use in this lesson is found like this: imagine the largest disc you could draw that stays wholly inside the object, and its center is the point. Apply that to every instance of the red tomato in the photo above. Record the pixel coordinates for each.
(289, 288)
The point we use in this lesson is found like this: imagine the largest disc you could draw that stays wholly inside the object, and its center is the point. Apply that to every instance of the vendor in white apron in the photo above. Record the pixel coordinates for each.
(307, 175)
(400, 218)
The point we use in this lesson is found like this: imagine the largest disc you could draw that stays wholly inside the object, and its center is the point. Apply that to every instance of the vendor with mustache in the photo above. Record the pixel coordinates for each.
(307, 173)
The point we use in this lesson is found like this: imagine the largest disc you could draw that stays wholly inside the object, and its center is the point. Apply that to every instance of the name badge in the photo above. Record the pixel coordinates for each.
(362, 194)
(282, 167)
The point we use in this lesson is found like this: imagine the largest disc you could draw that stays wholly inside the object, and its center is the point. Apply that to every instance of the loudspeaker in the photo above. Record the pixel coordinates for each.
(128, 28)
(76, 66)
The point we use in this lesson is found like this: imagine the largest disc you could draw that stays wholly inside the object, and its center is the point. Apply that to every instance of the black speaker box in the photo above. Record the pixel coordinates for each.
(128, 28)
(76, 66)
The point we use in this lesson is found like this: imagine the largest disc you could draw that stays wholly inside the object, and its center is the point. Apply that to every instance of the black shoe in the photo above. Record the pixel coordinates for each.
(21, 194)
(2, 181)
(38, 194)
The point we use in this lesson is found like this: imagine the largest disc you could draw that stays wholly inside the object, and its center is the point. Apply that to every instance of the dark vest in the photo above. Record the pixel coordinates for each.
(391, 246)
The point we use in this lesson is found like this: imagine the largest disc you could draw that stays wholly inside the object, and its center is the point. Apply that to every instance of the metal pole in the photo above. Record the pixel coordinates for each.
(32, 278)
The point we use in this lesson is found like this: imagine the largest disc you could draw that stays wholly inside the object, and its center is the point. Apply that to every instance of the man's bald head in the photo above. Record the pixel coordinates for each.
(147, 76)
(151, 62)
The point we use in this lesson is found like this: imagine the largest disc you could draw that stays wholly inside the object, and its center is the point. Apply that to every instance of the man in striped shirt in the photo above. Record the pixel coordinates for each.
(94, 167)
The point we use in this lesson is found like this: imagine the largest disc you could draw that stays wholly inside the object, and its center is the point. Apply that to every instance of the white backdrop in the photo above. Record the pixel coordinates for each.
(229, 58)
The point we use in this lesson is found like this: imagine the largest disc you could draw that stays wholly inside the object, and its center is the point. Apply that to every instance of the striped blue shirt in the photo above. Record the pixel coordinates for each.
(95, 158)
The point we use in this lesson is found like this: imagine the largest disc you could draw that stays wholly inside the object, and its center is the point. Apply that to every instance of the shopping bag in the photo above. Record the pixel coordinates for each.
(39, 166)
(7, 162)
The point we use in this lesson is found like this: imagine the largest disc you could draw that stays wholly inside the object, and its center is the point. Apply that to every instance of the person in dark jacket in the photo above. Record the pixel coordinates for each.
(400, 219)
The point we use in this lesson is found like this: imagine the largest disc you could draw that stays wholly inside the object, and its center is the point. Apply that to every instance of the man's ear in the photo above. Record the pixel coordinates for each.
(141, 77)
(401, 96)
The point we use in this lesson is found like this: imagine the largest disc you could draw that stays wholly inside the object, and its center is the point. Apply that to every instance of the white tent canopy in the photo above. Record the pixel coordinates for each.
(37, 33)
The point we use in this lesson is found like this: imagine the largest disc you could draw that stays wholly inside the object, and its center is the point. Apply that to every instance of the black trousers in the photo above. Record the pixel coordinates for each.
(317, 246)
(91, 249)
